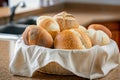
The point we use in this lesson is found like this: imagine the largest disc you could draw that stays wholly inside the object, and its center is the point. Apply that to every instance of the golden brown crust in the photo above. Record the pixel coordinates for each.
(72, 39)
(84, 38)
(66, 21)
(45, 39)
(53, 33)
(67, 40)
(101, 27)
(45, 23)
(49, 24)
(25, 34)
(35, 35)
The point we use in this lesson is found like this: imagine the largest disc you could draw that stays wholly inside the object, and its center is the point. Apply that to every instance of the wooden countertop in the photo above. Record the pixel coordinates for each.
(25, 12)
(85, 13)
(6, 75)
(4, 12)
(84, 18)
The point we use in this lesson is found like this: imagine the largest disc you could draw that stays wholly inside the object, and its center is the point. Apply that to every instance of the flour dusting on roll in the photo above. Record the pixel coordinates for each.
(83, 37)
(82, 28)
(72, 39)
(101, 38)
(66, 21)
(98, 37)
(48, 23)
(62, 31)
(34, 35)
(101, 27)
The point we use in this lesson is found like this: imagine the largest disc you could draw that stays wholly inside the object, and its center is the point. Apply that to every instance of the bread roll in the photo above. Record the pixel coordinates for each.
(82, 28)
(72, 39)
(86, 42)
(49, 24)
(25, 34)
(34, 35)
(66, 21)
(100, 27)
(98, 37)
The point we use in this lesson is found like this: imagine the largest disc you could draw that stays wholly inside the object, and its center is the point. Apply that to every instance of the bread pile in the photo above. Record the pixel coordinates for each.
(62, 31)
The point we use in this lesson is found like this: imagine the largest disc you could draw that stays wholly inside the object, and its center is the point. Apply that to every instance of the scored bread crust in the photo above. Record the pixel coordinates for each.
(68, 39)
(100, 27)
(83, 37)
(37, 36)
(66, 21)
(25, 34)
(98, 37)
(49, 24)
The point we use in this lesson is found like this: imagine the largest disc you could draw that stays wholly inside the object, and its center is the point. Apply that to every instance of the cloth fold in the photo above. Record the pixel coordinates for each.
(91, 63)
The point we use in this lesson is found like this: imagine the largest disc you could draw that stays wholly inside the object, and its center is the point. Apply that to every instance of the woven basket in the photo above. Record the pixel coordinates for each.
(54, 68)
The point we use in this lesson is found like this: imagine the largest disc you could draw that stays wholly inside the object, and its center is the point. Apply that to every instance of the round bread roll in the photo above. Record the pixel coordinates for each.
(66, 21)
(34, 35)
(49, 24)
(86, 42)
(82, 28)
(25, 34)
(100, 27)
(98, 37)
(72, 39)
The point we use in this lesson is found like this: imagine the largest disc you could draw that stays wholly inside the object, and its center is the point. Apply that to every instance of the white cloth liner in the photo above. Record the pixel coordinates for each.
(91, 63)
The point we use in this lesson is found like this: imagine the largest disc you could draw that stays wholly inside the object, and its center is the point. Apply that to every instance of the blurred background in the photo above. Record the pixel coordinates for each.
(52, 2)
(16, 15)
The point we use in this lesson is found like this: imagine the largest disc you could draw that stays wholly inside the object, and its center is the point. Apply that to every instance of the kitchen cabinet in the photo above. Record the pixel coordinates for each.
(3, 3)
(2, 21)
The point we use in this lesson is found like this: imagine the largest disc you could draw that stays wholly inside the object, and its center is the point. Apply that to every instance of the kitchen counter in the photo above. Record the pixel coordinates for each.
(84, 17)
(85, 13)
(26, 12)
(6, 75)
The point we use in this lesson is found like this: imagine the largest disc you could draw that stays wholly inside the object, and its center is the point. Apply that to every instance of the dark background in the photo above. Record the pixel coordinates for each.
(2, 3)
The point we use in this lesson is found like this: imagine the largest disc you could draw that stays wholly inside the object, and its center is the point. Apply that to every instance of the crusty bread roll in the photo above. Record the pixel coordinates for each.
(54, 68)
(100, 27)
(66, 21)
(86, 42)
(48, 23)
(82, 28)
(98, 37)
(34, 35)
(72, 39)
(25, 35)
